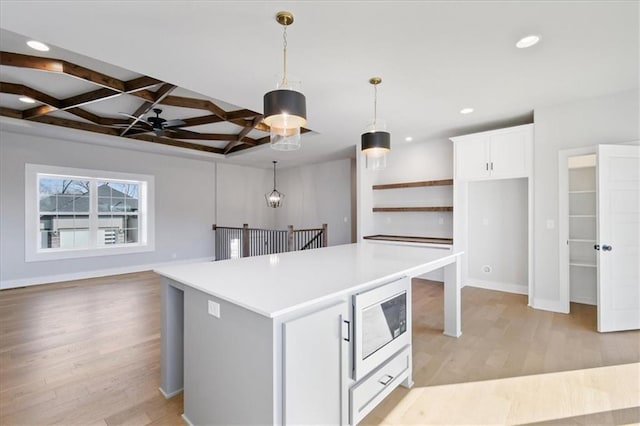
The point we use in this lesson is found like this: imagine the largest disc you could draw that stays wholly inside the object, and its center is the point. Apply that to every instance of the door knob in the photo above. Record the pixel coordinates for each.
(606, 248)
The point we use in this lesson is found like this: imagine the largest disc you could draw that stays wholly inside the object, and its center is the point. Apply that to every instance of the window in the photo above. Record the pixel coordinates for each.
(78, 213)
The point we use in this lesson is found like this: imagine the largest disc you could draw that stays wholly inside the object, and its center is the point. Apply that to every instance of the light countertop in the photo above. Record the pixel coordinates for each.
(277, 284)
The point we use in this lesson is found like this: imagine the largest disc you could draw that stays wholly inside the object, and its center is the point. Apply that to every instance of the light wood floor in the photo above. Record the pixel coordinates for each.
(87, 353)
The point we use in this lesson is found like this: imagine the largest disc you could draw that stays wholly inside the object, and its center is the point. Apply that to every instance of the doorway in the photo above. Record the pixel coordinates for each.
(577, 226)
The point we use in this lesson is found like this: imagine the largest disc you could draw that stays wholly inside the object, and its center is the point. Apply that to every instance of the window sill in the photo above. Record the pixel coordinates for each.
(82, 253)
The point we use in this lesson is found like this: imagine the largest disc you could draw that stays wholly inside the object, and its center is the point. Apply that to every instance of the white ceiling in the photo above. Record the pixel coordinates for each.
(434, 57)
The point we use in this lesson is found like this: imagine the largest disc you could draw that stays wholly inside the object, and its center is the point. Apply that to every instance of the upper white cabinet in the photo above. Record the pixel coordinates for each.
(497, 154)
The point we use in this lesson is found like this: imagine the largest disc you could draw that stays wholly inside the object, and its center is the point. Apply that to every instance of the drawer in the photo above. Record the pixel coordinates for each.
(368, 392)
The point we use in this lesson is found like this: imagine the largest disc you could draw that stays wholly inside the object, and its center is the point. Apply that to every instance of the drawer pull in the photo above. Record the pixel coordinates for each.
(385, 380)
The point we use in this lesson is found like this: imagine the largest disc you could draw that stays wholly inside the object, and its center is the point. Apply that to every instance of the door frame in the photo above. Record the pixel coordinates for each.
(563, 221)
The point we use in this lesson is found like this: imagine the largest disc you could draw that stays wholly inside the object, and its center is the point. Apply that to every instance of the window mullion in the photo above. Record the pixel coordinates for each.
(93, 213)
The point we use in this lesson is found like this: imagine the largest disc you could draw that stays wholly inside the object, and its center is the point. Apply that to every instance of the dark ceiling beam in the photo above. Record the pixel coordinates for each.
(22, 90)
(63, 67)
(242, 136)
(181, 101)
(177, 143)
(63, 122)
(159, 95)
(10, 112)
(242, 113)
(242, 147)
(142, 82)
(203, 136)
(198, 121)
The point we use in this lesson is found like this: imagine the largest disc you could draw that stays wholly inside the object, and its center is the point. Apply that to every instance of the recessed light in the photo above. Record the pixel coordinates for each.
(26, 100)
(527, 41)
(408, 139)
(466, 110)
(37, 45)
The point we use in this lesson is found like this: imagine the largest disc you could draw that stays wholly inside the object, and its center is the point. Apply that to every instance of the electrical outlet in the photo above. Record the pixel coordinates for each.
(214, 309)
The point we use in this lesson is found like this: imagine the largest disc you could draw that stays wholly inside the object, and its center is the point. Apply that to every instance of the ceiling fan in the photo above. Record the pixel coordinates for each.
(157, 124)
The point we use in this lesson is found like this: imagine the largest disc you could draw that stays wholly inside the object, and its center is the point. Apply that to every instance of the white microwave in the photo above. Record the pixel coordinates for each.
(381, 324)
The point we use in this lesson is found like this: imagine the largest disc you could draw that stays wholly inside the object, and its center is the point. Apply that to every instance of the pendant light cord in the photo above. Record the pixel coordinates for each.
(285, 83)
(274, 175)
(375, 105)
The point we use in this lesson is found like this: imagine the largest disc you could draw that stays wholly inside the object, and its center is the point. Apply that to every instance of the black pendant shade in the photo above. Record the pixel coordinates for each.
(376, 139)
(284, 101)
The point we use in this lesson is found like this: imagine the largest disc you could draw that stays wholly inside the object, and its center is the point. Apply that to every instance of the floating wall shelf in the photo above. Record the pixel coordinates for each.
(410, 239)
(413, 209)
(414, 184)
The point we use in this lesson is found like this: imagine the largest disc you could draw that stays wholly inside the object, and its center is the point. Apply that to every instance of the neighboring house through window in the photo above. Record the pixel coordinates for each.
(78, 213)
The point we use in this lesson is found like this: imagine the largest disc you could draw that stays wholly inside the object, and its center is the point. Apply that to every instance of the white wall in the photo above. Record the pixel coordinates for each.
(316, 194)
(184, 206)
(497, 234)
(407, 162)
(240, 196)
(603, 120)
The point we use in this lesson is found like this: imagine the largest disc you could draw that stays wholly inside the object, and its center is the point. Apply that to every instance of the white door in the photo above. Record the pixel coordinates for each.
(618, 237)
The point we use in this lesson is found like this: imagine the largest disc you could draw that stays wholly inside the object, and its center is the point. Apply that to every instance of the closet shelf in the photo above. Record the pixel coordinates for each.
(580, 240)
(413, 209)
(410, 239)
(584, 265)
(591, 191)
(441, 182)
(582, 215)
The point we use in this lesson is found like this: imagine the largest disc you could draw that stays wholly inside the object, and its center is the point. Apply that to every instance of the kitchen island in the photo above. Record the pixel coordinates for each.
(272, 339)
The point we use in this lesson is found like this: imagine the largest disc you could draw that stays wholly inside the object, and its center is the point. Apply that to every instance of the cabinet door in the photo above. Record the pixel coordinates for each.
(472, 158)
(315, 365)
(509, 154)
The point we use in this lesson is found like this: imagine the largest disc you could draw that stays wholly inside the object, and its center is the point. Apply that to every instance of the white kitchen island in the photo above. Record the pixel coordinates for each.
(270, 339)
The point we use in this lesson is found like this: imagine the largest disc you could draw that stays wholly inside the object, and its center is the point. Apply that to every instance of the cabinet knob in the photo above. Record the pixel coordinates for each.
(606, 248)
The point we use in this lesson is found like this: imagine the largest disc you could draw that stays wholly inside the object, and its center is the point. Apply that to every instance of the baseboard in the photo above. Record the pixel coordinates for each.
(584, 301)
(492, 285)
(186, 420)
(49, 279)
(170, 394)
(549, 305)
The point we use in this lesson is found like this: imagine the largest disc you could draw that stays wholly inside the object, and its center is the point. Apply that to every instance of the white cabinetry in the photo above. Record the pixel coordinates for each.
(315, 363)
(492, 215)
(497, 154)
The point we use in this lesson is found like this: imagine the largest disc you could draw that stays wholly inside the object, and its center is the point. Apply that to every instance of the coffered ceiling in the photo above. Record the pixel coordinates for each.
(435, 58)
(111, 101)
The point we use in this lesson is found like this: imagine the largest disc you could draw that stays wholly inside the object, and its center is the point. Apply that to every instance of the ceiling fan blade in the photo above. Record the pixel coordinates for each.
(173, 123)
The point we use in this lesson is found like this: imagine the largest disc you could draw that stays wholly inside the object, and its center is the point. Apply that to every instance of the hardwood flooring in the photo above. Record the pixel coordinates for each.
(87, 353)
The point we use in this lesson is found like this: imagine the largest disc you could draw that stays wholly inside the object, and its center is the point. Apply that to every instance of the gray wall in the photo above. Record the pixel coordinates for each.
(316, 194)
(498, 227)
(604, 120)
(240, 196)
(184, 205)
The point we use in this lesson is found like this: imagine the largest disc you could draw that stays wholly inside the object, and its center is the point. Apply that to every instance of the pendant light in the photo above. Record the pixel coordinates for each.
(285, 109)
(275, 197)
(376, 141)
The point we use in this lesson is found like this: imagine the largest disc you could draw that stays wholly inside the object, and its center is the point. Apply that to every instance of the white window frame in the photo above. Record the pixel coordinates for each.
(146, 208)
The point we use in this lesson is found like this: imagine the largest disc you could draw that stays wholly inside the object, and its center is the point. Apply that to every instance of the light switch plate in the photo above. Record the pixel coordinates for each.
(214, 309)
